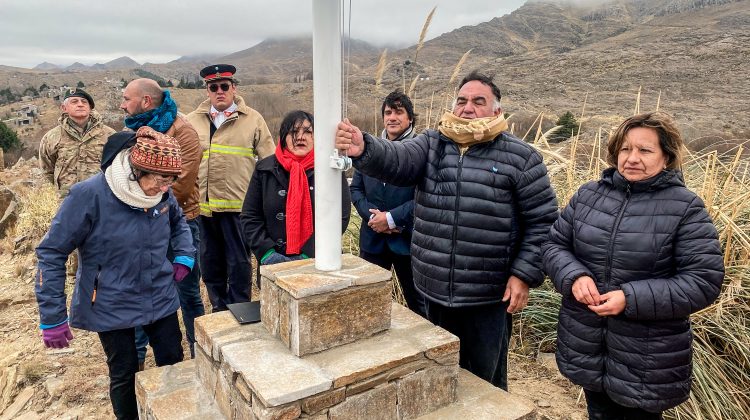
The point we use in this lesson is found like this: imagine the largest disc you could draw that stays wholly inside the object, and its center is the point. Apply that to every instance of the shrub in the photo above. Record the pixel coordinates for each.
(8, 138)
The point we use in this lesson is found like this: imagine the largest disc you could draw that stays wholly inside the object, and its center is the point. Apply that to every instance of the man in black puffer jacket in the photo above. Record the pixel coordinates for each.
(483, 205)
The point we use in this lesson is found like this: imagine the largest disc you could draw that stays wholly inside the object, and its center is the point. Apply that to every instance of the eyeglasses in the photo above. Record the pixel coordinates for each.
(162, 180)
(215, 87)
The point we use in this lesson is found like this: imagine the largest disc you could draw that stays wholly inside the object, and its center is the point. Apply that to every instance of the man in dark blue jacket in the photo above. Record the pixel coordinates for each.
(387, 211)
(482, 207)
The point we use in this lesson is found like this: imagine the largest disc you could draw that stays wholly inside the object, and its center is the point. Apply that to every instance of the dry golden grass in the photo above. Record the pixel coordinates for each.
(37, 207)
(721, 363)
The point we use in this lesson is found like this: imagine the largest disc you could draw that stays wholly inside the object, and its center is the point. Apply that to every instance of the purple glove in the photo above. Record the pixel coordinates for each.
(57, 337)
(180, 271)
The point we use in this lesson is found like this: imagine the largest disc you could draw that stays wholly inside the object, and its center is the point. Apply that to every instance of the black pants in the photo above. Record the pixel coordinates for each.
(224, 260)
(122, 359)
(601, 407)
(484, 332)
(402, 265)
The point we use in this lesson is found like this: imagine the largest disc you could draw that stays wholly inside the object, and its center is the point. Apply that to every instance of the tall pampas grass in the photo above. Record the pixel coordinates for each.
(423, 33)
(379, 72)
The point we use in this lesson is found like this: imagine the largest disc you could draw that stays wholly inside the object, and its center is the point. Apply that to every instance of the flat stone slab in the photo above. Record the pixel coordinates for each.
(480, 400)
(300, 278)
(173, 393)
(276, 376)
(408, 339)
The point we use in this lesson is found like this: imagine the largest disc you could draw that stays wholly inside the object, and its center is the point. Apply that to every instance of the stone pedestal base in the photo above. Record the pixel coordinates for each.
(406, 371)
(330, 346)
(312, 311)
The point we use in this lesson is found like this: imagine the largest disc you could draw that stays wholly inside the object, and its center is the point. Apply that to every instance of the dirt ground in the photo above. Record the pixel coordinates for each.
(72, 383)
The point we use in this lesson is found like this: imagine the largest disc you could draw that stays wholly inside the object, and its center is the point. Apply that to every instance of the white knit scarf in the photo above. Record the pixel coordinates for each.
(127, 190)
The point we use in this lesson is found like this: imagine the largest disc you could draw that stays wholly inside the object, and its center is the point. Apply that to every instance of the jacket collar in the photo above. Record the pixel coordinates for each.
(666, 178)
(205, 106)
(407, 134)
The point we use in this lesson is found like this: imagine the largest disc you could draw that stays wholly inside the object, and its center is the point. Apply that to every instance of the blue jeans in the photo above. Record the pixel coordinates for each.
(191, 303)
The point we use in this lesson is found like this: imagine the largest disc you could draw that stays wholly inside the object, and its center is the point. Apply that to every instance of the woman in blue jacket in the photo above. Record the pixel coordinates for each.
(121, 221)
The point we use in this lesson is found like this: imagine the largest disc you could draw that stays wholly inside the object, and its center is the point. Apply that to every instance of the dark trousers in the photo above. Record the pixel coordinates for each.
(484, 332)
(191, 304)
(122, 359)
(224, 260)
(402, 265)
(601, 407)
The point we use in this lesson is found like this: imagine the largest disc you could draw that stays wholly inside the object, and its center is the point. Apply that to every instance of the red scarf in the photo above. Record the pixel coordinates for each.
(299, 215)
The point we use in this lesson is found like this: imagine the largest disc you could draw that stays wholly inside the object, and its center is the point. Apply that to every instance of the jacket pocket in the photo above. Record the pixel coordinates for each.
(96, 285)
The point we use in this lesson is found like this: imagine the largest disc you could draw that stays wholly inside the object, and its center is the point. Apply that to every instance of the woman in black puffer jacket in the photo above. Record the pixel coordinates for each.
(633, 255)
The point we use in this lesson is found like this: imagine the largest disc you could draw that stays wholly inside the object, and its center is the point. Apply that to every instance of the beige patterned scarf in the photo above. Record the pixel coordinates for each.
(470, 132)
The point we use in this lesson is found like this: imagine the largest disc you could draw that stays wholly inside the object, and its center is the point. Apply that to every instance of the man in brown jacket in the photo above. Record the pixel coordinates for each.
(72, 151)
(146, 103)
(233, 136)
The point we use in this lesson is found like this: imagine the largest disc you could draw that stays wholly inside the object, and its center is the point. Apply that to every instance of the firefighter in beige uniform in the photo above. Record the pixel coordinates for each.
(233, 137)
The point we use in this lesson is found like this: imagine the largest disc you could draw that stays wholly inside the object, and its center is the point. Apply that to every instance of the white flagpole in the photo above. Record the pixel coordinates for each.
(327, 113)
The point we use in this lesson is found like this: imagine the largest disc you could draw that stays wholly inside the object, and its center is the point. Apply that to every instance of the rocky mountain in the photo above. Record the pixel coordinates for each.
(121, 63)
(289, 59)
(46, 66)
(76, 67)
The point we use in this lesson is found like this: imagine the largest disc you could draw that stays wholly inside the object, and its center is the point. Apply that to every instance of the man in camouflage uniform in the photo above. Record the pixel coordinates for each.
(72, 151)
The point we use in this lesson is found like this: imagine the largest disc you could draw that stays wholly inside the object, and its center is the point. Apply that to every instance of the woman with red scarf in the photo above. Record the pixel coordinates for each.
(277, 214)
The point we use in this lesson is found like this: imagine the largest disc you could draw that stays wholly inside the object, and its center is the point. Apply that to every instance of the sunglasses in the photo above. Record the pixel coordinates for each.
(215, 87)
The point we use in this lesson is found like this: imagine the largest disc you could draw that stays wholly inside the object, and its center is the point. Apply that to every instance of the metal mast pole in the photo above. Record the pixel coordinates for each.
(327, 113)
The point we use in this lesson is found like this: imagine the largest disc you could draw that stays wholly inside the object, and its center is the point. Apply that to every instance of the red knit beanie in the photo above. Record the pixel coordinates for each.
(155, 152)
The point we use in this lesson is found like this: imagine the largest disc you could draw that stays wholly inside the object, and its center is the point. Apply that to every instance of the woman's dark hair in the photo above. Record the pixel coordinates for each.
(670, 139)
(291, 121)
(398, 99)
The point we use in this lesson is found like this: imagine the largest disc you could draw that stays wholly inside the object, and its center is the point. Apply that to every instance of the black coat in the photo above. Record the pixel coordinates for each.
(263, 213)
(479, 217)
(370, 193)
(654, 241)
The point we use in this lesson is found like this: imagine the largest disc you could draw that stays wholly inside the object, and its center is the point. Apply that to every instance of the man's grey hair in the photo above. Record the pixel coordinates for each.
(495, 104)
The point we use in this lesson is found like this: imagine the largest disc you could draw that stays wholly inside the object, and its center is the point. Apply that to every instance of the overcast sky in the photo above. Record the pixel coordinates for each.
(157, 31)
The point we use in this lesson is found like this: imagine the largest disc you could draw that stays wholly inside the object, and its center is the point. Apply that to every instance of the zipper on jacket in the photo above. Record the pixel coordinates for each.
(96, 285)
(455, 225)
(608, 266)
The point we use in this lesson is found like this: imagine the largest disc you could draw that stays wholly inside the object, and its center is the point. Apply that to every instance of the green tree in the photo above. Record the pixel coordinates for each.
(8, 138)
(124, 83)
(43, 87)
(31, 91)
(80, 84)
(569, 127)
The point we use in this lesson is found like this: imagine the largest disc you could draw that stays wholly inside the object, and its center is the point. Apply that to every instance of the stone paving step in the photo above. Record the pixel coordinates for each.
(173, 393)
(480, 400)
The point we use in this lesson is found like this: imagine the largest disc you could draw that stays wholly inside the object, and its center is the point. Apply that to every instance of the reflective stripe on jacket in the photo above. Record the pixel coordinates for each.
(229, 156)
